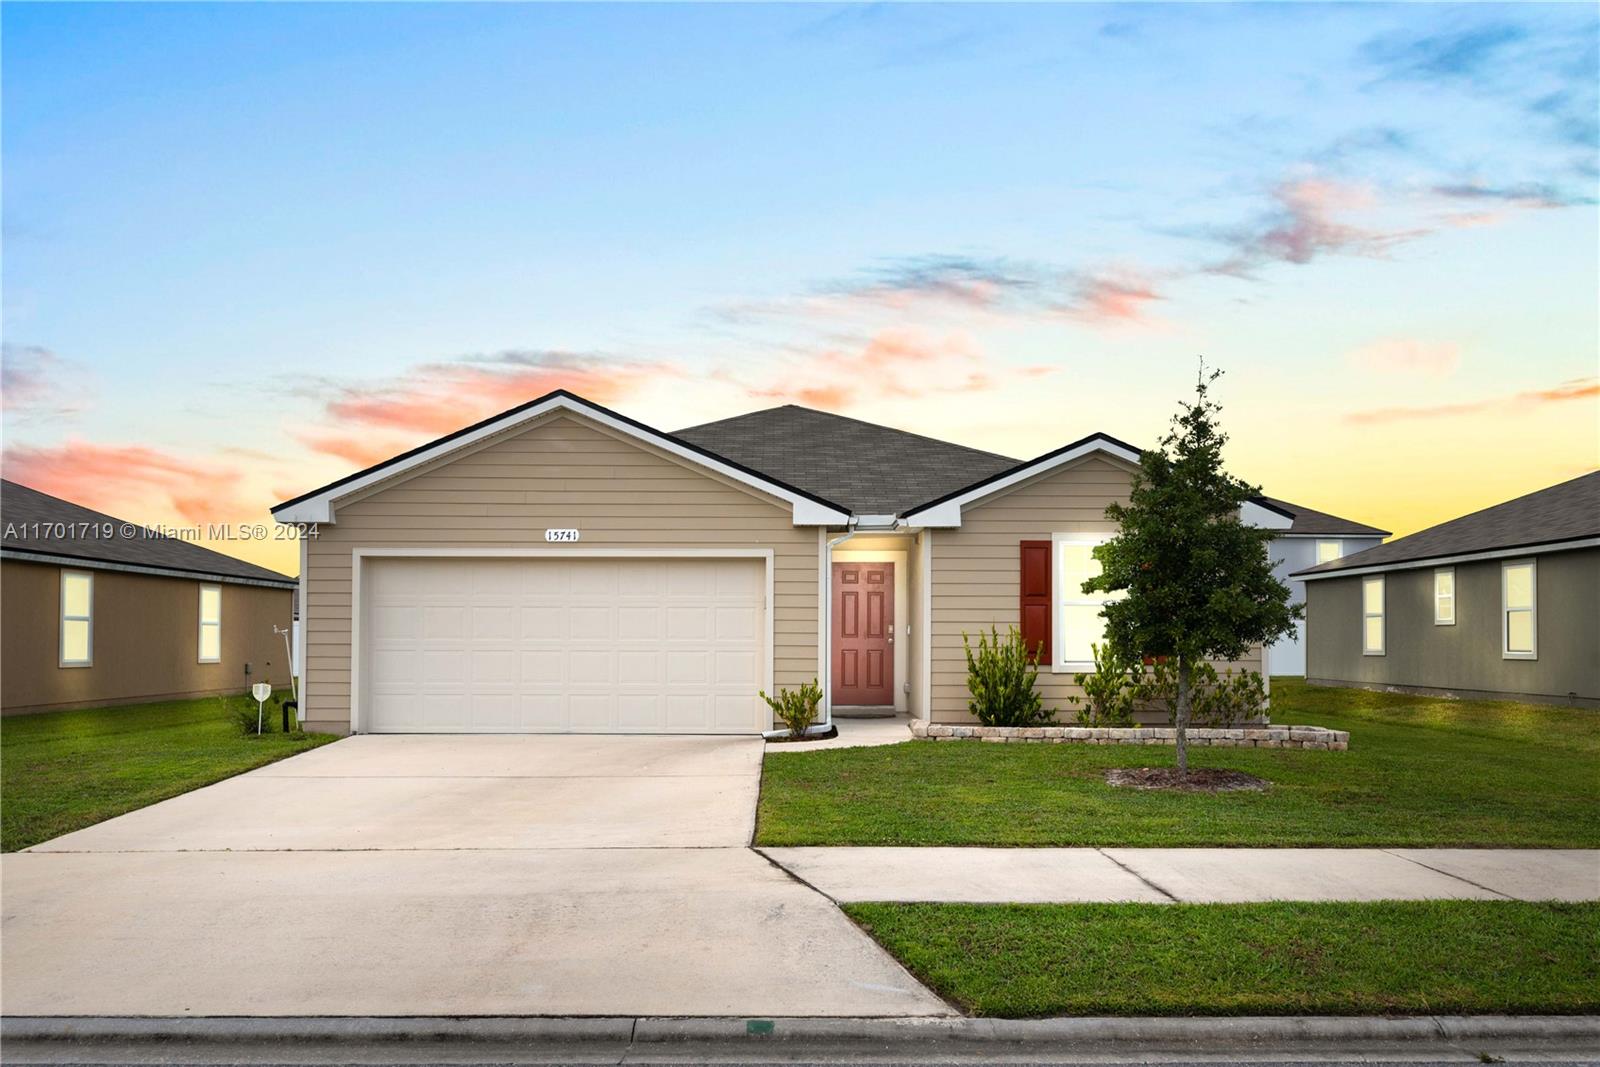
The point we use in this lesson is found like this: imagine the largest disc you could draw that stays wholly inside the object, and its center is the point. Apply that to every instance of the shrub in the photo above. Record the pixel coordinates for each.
(797, 708)
(241, 711)
(1109, 692)
(1001, 676)
(1215, 700)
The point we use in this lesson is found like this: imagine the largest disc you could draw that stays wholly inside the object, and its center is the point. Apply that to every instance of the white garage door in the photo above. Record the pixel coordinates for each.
(564, 645)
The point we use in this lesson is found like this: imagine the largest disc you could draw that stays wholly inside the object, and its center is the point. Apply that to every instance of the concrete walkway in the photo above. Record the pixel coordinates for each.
(1198, 875)
(853, 733)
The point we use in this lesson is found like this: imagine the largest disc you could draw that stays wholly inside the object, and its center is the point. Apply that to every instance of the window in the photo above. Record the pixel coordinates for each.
(1078, 613)
(210, 624)
(1444, 596)
(1328, 551)
(77, 618)
(1519, 618)
(1372, 616)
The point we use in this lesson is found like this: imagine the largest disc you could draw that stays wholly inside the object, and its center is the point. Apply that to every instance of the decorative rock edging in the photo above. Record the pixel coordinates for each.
(1305, 737)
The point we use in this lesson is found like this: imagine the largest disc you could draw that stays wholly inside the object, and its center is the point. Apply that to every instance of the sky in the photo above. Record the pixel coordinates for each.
(249, 249)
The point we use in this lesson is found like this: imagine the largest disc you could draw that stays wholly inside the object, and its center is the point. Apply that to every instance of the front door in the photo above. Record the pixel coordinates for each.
(863, 634)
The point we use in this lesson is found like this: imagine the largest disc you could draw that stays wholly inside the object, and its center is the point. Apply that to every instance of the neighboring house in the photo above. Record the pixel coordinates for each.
(1314, 537)
(97, 611)
(1504, 602)
(563, 568)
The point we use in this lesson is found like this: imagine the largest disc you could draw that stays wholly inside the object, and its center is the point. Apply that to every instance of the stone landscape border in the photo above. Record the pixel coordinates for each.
(1318, 738)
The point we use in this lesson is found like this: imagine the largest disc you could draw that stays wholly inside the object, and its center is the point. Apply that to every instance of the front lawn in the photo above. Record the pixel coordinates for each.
(1414, 957)
(65, 770)
(1419, 772)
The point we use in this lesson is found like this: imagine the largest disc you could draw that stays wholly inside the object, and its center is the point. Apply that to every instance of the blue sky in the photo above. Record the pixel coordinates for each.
(249, 247)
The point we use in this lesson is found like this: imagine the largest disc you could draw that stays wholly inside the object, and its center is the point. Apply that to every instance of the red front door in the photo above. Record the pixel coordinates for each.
(863, 633)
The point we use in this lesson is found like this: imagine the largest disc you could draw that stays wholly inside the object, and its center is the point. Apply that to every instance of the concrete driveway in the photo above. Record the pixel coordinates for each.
(442, 876)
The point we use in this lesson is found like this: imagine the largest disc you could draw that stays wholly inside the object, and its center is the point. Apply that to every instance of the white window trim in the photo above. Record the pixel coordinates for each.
(1382, 615)
(1059, 664)
(64, 618)
(1316, 552)
(1533, 608)
(1437, 621)
(200, 635)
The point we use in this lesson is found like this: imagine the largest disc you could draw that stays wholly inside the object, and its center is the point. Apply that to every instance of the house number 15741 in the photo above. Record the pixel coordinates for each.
(561, 535)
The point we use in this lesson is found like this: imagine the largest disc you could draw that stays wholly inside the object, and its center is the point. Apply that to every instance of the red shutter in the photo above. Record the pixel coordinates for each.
(1035, 606)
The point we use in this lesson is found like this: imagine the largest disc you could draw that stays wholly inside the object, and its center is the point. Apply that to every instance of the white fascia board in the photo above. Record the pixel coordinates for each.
(947, 513)
(1253, 514)
(1446, 561)
(320, 508)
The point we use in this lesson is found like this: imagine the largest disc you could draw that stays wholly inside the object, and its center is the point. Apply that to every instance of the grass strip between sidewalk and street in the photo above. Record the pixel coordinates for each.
(64, 770)
(1420, 772)
(1391, 957)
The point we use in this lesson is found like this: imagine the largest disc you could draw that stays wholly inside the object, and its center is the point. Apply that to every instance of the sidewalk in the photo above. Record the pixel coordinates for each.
(1192, 875)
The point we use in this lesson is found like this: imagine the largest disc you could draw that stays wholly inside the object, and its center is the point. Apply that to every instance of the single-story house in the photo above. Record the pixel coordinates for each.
(1314, 537)
(95, 610)
(1503, 602)
(561, 567)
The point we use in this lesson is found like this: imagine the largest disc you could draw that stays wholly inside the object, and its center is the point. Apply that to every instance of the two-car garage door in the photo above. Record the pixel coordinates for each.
(563, 645)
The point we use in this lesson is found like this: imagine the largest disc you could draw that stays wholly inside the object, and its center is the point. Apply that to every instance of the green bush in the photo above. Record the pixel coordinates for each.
(241, 711)
(1215, 700)
(1109, 691)
(797, 708)
(1001, 677)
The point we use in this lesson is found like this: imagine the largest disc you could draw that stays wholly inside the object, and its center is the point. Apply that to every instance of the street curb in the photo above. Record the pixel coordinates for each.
(1252, 1031)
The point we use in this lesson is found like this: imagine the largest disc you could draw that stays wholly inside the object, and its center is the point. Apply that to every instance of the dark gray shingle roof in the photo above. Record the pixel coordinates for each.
(870, 469)
(1566, 512)
(32, 521)
(1312, 521)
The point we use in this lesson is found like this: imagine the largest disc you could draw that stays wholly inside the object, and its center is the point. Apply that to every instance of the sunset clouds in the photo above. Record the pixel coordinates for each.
(1407, 356)
(136, 482)
(1527, 400)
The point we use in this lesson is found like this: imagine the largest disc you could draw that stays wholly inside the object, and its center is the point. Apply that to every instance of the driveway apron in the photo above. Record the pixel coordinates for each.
(414, 875)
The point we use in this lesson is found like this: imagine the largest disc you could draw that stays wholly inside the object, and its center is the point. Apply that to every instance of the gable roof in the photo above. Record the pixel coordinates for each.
(318, 505)
(43, 528)
(1562, 516)
(1310, 521)
(871, 469)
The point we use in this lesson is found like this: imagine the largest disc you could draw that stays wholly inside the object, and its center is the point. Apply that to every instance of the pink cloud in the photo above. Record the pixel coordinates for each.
(1113, 296)
(1408, 355)
(1577, 389)
(894, 363)
(1310, 218)
(112, 478)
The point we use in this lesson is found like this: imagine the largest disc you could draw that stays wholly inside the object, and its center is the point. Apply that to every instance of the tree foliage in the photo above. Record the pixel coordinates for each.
(1198, 580)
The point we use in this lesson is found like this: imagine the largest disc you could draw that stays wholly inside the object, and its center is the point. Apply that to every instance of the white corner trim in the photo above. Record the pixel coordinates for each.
(305, 625)
(358, 607)
(925, 577)
(824, 601)
(947, 513)
(901, 659)
(321, 506)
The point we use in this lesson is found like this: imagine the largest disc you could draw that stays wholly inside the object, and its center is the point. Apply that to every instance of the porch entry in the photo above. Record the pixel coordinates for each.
(863, 634)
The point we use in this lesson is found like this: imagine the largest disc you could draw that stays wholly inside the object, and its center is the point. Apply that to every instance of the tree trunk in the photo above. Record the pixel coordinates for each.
(1181, 717)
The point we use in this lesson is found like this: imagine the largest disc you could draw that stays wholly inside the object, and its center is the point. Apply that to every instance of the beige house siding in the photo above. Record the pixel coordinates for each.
(145, 640)
(562, 471)
(976, 570)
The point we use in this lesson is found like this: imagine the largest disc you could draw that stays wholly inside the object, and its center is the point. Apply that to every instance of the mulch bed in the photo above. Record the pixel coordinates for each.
(1200, 780)
(832, 731)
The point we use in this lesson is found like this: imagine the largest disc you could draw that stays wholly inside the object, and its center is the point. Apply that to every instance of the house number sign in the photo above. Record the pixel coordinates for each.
(561, 535)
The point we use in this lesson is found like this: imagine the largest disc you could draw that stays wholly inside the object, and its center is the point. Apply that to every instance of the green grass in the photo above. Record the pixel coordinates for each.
(1412, 957)
(1420, 771)
(65, 770)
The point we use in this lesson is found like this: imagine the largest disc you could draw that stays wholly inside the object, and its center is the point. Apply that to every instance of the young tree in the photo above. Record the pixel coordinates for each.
(1198, 580)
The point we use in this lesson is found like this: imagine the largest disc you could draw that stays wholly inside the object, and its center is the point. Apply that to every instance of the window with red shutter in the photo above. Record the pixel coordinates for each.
(1036, 595)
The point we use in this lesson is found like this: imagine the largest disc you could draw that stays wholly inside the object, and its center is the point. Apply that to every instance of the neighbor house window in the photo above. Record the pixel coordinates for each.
(77, 618)
(1444, 596)
(210, 623)
(1328, 551)
(1519, 607)
(1372, 616)
(1079, 625)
